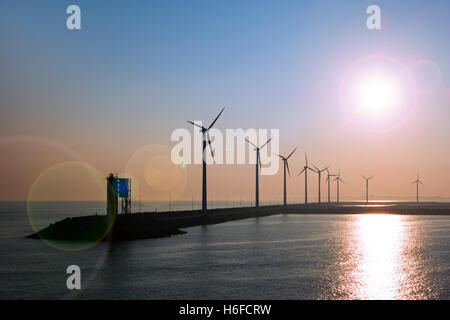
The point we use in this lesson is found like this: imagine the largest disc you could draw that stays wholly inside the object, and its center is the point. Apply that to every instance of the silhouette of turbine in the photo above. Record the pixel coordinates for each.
(367, 187)
(319, 173)
(286, 166)
(305, 170)
(417, 182)
(206, 139)
(258, 165)
(338, 180)
(328, 182)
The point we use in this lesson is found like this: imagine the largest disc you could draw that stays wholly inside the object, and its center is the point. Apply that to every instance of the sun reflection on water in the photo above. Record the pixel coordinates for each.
(380, 240)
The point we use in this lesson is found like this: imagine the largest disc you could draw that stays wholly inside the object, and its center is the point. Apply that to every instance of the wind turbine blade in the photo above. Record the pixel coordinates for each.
(287, 166)
(216, 119)
(259, 160)
(210, 146)
(266, 143)
(421, 183)
(371, 177)
(326, 169)
(291, 153)
(251, 143)
(279, 156)
(301, 172)
(342, 180)
(196, 125)
(316, 168)
(306, 159)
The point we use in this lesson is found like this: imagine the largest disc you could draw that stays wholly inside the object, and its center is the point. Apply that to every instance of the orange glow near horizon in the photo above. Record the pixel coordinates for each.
(154, 177)
(377, 129)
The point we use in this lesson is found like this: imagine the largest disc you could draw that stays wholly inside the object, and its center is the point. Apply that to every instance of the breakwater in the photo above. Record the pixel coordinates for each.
(163, 224)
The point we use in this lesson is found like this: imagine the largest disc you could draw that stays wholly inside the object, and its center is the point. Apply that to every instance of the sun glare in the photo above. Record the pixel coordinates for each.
(377, 95)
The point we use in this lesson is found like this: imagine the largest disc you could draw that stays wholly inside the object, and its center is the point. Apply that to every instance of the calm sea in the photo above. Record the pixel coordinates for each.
(278, 257)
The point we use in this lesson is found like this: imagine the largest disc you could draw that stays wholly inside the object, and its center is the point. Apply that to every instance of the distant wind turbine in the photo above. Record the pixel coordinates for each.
(319, 173)
(417, 182)
(305, 170)
(329, 182)
(367, 187)
(286, 166)
(258, 165)
(338, 180)
(206, 139)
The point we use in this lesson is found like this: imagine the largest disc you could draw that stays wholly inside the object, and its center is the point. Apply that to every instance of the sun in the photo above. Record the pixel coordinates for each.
(378, 95)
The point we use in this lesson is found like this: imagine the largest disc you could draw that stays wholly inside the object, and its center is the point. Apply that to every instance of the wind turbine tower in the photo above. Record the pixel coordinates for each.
(417, 182)
(258, 165)
(286, 166)
(319, 173)
(338, 180)
(329, 182)
(305, 170)
(367, 187)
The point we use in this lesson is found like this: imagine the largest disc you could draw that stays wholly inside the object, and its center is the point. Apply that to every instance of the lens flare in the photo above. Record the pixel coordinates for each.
(41, 141)
(157, 176)
(103, 248)
(428, 76)
(66, 181)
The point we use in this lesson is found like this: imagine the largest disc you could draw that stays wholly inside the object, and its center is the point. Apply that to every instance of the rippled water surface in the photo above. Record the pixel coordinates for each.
(278, 257)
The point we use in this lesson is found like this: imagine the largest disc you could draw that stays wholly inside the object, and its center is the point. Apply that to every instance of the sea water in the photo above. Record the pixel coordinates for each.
(278, 257)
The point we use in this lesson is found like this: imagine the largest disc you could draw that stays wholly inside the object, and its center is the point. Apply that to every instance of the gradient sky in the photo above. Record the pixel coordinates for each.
(111, 94)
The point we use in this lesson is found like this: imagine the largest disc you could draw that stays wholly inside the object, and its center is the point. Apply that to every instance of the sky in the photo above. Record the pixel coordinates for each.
(78, 104)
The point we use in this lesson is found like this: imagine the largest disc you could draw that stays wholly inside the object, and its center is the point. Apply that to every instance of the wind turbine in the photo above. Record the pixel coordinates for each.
(417, 182)
(329, 181)
(286, 166)
(319, 173)
(258, 165)
(338, 180)
(206, 139)
(367, 187)
(305, 170)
